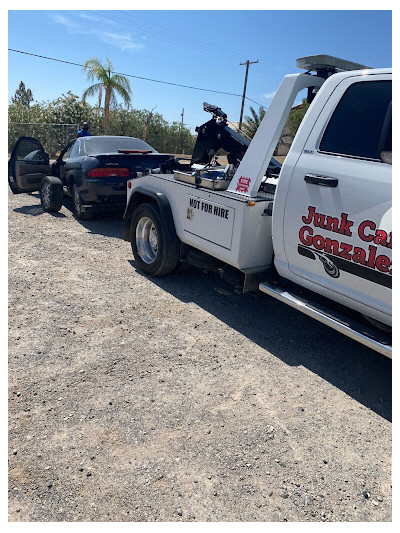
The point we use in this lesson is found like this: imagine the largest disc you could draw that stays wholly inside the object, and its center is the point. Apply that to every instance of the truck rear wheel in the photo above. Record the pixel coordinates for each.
(156, 252)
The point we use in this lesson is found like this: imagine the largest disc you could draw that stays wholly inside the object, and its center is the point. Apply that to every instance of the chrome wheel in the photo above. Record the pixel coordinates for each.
(146, 240)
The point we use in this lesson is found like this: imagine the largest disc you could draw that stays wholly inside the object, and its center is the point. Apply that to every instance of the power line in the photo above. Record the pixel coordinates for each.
(164, 38)
(197, 46)
(254, 102)
(187, 38)
(180, 41)
(130, 75)
(163, 34)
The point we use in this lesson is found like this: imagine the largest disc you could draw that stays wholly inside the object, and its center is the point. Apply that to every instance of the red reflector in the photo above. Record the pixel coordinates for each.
(129, 184)
(108, 172)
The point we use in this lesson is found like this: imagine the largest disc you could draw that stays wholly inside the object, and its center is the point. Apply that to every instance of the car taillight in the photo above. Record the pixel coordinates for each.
(129, 184)
(108, 173)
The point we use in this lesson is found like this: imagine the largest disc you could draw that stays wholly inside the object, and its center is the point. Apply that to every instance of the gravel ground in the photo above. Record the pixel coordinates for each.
(176, 399)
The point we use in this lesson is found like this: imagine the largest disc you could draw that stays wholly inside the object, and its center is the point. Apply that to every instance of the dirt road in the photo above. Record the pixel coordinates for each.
(176, 399)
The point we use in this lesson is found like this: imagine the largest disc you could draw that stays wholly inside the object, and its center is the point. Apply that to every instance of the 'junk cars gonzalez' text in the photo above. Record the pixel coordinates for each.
(367, 231)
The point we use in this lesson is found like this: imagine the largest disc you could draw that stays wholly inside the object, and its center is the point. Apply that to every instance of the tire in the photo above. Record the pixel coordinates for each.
(155, 248)
(76, 198)
(51, 194)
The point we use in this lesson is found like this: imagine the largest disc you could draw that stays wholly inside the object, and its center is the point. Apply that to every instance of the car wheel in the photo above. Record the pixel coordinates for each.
(156, 251)
(76, 198)
(51, 194)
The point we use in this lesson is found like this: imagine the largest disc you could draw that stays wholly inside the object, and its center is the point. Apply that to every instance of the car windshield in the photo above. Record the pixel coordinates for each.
(107, 145)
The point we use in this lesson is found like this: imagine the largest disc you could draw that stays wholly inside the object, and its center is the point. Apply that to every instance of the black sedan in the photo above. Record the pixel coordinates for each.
(93, 170)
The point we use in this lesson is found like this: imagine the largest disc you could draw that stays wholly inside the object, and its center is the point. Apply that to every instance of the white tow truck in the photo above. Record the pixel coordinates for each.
(316, 233)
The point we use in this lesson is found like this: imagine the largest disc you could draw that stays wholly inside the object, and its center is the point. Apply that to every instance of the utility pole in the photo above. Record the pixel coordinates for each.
(183, 111)
(247, 63)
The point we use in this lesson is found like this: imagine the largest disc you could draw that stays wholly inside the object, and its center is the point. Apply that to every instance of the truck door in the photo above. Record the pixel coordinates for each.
(337, 225)
(27, 166)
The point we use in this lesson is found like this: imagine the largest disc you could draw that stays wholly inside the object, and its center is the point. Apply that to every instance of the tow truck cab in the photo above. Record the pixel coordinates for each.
(332, 215)
(323, 225)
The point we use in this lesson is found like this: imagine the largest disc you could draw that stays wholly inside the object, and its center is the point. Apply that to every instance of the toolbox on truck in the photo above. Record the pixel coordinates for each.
(214, 179)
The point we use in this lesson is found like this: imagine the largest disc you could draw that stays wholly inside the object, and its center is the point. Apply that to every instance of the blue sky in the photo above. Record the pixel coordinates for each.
(198, 48)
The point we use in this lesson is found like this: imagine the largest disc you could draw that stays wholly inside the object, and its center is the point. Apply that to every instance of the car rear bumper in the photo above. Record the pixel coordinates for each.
(101, 208)
(107, 192)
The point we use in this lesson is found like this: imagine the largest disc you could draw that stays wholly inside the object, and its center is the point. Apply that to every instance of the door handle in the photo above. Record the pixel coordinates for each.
(325, 181)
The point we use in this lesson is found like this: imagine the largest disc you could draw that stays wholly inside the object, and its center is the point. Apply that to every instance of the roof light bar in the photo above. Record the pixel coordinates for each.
(325, 62)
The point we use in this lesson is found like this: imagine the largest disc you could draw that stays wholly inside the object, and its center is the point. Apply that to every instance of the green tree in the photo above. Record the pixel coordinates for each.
(295, 117)
(107, 80)
(252, 122)
(22, 96)
(47, 121)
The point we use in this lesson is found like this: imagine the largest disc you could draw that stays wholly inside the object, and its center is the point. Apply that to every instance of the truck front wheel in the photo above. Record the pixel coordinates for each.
(156, 252)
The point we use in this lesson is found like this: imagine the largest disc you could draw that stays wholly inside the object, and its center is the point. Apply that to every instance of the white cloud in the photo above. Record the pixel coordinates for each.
(125, 42)
(97, 19)
(60, 19)
(269, 95)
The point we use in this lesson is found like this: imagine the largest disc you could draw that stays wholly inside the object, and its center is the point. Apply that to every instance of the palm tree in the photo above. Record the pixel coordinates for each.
(252, 122)
(100, 100)
(108, 81)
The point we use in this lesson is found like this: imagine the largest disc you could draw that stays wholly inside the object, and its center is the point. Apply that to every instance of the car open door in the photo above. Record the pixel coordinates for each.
(27, 166)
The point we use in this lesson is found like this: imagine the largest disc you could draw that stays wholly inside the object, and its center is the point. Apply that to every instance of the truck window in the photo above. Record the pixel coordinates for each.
(355, 127)
(385, 145)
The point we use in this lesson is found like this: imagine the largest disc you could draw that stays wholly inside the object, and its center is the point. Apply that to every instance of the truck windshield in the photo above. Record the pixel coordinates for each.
(108, 145)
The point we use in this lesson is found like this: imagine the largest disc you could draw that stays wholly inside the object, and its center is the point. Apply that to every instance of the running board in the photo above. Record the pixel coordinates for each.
(333, 320)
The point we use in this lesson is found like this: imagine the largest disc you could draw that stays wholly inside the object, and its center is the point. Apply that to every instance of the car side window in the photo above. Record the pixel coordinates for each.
(30, 151)
(355, 128)
(67, 153)
(74, 150)
(82, 147)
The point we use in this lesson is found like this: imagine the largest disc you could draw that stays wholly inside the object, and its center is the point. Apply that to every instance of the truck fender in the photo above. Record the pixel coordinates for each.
(143, 195)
